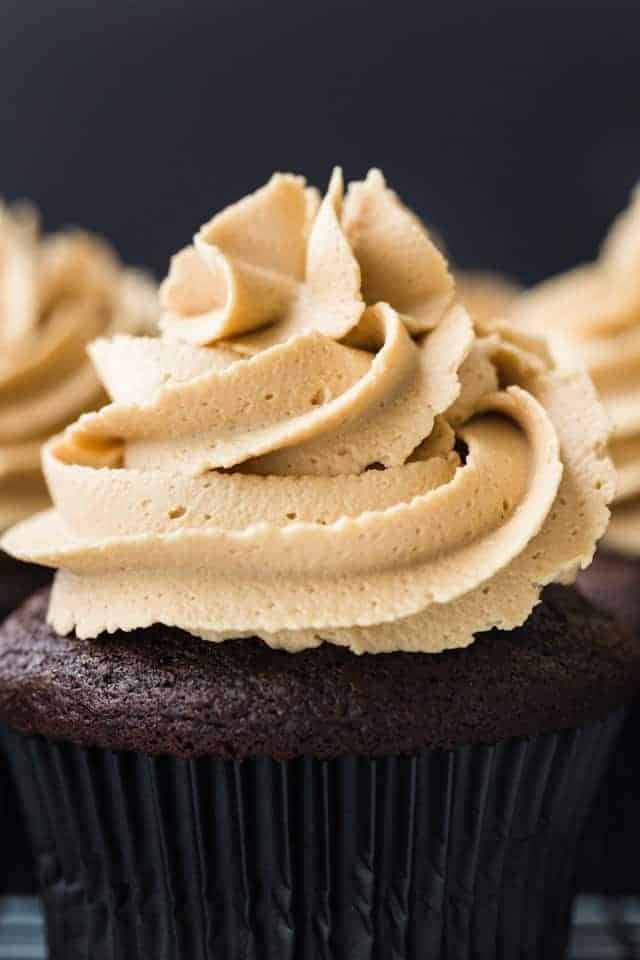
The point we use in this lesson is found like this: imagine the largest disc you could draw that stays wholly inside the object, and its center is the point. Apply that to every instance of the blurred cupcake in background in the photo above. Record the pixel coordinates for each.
(485, 294)
(56, 294)
(591, 316)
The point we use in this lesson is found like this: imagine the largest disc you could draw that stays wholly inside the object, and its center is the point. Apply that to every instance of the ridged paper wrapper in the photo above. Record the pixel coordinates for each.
(465, 853)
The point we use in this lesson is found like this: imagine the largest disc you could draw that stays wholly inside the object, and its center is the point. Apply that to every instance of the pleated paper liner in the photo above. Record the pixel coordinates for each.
(444, 855)
(17, 876)
(609, 858)
(17, 872)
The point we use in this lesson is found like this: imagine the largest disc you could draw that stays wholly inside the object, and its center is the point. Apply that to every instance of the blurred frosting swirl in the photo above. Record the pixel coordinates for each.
(591, 316)
(485, 295)
(56, 295)
(321, 447)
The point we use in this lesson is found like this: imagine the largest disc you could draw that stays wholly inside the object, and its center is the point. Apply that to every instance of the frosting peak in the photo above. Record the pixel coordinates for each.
(321, 447)
(56, 295)
(592, 316)
(281, 259)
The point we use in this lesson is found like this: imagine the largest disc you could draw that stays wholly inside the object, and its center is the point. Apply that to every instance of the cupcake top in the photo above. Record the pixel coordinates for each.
(592, 316)
(321, 446)
(56, 295)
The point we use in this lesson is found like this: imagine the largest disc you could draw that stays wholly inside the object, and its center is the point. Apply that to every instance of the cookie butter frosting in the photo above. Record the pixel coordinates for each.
(321, 447)
(485, 295)
(56, 295)
(592, 316)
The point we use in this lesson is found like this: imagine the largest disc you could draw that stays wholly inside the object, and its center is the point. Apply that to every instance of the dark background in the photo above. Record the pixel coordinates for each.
(514, 128)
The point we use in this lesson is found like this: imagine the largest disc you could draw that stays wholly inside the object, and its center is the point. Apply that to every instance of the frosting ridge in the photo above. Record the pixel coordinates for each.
(322, 447)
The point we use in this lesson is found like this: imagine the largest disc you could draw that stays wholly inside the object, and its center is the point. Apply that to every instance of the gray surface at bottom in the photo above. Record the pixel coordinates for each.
(21, 929)
(604, 929)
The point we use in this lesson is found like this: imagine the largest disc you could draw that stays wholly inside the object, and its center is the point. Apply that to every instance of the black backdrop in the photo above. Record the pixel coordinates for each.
(514, 127)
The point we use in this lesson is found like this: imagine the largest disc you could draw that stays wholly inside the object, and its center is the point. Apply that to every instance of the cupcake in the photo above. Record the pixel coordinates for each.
(56, 295)
(592, 316)
(310, 680)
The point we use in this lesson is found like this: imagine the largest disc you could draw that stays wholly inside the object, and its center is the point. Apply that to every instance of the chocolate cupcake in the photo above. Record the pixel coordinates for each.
(592, 316)
(56, 295)
(246, 802)
(251, 719)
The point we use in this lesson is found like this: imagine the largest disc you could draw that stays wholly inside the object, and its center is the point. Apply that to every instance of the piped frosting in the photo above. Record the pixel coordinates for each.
(321, 447)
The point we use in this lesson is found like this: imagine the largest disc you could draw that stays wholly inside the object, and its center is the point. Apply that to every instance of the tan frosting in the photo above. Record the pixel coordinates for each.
(55, 296)
(592, 316)
(486, 295)
(321, 446)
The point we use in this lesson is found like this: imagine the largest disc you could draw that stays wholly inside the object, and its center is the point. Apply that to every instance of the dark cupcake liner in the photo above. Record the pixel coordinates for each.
(17, 868)
(609, 863)
(17, 875)
(467, 853)
(609, 858)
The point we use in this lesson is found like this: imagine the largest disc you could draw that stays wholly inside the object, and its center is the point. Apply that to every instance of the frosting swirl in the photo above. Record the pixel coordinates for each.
(321, 447)
(591, 315)
(55, 296)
